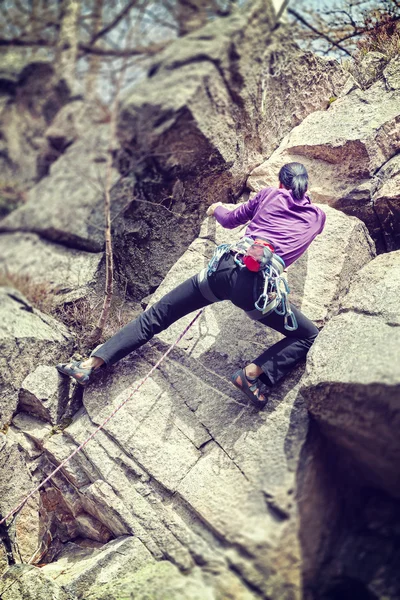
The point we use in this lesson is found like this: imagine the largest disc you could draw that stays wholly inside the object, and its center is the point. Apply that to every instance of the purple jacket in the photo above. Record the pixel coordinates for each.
(289, 224)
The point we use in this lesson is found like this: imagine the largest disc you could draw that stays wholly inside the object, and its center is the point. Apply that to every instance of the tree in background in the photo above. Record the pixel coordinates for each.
(347, 27)
(66, 49)
(89, 32)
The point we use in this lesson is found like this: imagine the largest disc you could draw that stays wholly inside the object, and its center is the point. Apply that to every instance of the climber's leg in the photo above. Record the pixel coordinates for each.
(278, 360)
(184, 299)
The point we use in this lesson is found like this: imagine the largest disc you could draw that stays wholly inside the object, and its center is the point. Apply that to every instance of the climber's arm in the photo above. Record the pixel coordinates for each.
(238, 216)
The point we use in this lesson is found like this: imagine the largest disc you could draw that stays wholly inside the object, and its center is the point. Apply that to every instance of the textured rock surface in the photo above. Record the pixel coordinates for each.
(187, 462)
(353, 382)
(67, 205)
(163, 580)
(119, 571)
(207, 498)
(30, 101)
(62, 514)
(322, 275)
(24, 534)
(370, 68)
(23, 582)
(79, 570)
(69, 274)
(391, 74)
(40, 393)
(71, 123)
(342, 149)
(180, 480)
(364, 558)
(27, 337)
(386, 201)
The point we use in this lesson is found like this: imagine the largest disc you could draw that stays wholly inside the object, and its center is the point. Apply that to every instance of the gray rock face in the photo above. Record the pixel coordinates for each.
(371, 68)
(223, 63)
(115, 572)
(288, 77)
(69, 274)
(187, 462)
(391, 74)
(162, 580)
(72, 122)
(79, 570)
(26, 338)
(159, 467)
(353, 382)
(386, 202)
(31, 99)
(17, 482)
(208, 499)
(320, 278)
(342, 149)
(39, 394)
(67, 206)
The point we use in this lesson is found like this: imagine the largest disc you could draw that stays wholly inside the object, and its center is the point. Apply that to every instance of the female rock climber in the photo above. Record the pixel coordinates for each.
(282, 223)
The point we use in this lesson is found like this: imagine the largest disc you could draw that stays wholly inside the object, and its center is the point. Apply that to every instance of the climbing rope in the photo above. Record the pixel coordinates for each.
(100, 427)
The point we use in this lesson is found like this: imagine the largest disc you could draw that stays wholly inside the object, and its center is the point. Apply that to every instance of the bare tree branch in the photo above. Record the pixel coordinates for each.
(114, 22)
(137, 51)
(26, 43)
(320, 33)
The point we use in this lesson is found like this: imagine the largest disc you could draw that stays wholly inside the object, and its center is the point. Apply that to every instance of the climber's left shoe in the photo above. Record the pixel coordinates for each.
(75, 370)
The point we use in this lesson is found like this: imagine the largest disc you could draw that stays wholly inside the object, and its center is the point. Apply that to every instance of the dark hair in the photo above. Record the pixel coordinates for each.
(294, 177)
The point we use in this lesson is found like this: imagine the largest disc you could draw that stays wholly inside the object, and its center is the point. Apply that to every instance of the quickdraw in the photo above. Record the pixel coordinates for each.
(263, 258)
(219, 252)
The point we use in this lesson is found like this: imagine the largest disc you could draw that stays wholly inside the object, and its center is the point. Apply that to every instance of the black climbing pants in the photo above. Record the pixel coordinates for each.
(229, 282)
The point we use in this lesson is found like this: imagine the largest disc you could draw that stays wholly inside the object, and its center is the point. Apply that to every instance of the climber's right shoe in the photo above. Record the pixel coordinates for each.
(75, 370)
(249, 387)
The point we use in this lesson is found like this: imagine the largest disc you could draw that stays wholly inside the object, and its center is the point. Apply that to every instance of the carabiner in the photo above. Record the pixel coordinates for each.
(256, 304)
(290, 317)
(285, 283)
(238, 261)
(281, 308)
(216, 257)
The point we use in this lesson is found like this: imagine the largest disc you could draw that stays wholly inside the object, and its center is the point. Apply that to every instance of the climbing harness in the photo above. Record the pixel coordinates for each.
(258, 255)
(103, 424)
(255, 255)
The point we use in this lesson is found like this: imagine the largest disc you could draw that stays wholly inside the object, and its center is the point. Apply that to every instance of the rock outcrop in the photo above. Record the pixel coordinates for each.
(67, 205)
(187, 463)
(353, 382)
(30, 99)
(24, 582)
(352, 390)
(23, 538)
(27, 337)
(344, 149)
(67, 274)
(188, 492)
(386, 201)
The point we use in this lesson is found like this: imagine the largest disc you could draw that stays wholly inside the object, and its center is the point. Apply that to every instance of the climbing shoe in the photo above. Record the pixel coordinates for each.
(249, 387)
(75, 370)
